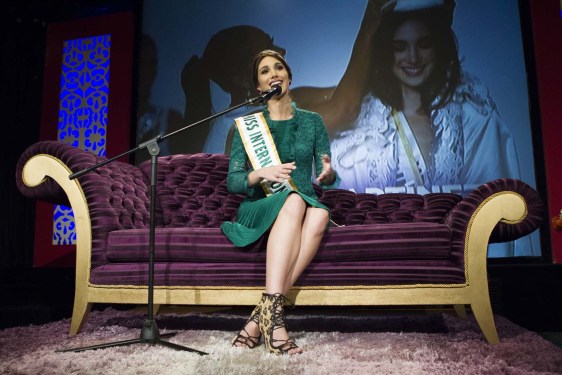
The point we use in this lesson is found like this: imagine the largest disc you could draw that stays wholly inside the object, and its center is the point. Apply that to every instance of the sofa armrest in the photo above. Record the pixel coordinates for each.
(115, 196)
(507, 228)
(47, 189)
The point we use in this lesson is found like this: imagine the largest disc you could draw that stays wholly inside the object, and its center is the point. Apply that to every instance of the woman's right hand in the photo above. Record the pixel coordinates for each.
(388, 5)
(374, 12)
(274, 173)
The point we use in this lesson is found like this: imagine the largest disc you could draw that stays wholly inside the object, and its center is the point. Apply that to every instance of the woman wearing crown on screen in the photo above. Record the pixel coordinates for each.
(405, 117)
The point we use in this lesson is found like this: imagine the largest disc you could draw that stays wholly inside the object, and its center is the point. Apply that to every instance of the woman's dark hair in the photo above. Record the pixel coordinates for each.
(268, 53)
(444, 79)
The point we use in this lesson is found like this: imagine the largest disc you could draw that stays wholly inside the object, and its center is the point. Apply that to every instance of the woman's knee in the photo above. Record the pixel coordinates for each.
(294, 205)
(318, 219)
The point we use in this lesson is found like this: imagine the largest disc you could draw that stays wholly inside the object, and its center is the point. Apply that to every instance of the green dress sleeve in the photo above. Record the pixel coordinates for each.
(322, 147)
(237, 179)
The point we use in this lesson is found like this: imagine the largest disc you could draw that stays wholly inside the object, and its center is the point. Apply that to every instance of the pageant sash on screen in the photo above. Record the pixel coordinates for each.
(261, 149)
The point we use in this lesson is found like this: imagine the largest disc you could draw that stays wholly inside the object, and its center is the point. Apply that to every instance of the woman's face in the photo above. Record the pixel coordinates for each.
(414, 53)
(272, 72)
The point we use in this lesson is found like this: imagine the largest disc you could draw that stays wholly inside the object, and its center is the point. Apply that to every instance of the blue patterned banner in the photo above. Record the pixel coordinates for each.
(84, 90)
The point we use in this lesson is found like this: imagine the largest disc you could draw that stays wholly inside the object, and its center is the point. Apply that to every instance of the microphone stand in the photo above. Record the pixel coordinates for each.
(150, 333)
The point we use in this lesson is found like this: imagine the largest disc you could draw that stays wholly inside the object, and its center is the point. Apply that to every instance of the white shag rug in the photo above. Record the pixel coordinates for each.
(333, 344)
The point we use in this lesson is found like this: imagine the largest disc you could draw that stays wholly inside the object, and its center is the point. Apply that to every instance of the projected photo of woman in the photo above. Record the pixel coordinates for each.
(417, 122)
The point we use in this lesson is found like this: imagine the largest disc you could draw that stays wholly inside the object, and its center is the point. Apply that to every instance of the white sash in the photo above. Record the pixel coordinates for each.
(412, 151)
(261, 149)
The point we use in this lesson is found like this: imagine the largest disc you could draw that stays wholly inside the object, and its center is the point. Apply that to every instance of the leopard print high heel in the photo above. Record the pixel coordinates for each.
(272, 317)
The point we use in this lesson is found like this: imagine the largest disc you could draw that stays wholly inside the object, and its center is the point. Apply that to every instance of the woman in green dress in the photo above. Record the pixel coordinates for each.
(296, 221)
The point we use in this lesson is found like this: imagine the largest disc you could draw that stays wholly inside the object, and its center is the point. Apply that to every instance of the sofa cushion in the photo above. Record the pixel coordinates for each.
(405, 241)
(251, 273)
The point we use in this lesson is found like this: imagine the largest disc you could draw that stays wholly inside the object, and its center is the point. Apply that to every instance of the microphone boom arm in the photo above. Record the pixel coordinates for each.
(262, 98)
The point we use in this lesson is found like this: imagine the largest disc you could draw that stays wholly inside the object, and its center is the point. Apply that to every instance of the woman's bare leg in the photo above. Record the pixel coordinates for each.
(284, 243)
(282, 252)
(314, 225)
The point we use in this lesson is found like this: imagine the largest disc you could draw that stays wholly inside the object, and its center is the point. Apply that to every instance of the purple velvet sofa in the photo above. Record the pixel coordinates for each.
(392, 249)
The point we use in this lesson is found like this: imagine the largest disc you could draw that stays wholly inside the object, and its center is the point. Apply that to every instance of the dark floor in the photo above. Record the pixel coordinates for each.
(528, 295)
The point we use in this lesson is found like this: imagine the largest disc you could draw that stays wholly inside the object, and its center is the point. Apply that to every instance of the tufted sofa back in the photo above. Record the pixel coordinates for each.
(349, 208)
(192, 192)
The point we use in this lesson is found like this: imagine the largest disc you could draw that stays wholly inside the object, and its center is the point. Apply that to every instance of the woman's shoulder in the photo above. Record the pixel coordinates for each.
(307, 115)
(471, 91)
(305, 112)
(373, 109)
(373, 103)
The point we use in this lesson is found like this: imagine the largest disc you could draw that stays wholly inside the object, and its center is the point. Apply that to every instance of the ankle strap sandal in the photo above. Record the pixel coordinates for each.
(272, 317)
(246, 339)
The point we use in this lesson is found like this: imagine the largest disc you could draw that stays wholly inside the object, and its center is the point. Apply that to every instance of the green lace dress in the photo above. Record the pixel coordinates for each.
(302, 139)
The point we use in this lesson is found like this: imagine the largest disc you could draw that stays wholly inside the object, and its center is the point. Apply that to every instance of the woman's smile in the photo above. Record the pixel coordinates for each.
(413, 71)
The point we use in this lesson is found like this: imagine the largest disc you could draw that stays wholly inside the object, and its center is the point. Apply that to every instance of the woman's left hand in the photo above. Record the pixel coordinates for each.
(328, 175)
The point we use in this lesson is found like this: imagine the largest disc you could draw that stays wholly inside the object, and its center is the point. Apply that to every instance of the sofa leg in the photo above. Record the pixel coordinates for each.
(79, 314)
(460, 310)
(485, 318)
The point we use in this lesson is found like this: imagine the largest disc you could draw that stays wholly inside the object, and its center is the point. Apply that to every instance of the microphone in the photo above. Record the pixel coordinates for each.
(265, 96)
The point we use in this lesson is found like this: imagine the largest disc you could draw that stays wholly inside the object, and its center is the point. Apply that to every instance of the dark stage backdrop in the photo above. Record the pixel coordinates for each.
(86, 99)
(547, 36)
(195, 59)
